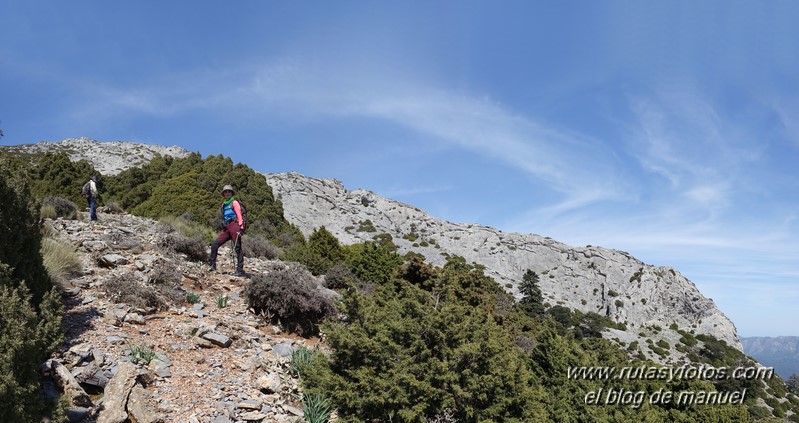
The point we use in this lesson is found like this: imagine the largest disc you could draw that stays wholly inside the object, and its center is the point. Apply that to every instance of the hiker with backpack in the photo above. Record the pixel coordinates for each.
(233, 215)
(89, 192)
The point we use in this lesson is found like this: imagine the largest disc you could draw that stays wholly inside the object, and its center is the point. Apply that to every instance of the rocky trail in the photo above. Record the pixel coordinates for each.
(212, 361)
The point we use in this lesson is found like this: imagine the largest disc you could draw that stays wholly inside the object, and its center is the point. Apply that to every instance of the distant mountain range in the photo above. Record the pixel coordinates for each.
(780, 352)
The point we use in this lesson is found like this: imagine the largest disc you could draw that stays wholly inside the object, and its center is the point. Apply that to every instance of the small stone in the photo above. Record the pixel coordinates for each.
(250, 405)
(197, 306)
(99, 357)
(221, 419)
(135, 318)
(282, 350)
(139, 265)
(116, 340)
(293, 410)
(270, 383)
(94, 245)
(217, 339)
(203, 343)
(77, 414)
(112, 260)
(252, 416)
(160, 368)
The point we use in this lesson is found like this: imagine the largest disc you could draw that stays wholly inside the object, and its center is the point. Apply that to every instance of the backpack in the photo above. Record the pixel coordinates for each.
(243, 214)
(86, 190)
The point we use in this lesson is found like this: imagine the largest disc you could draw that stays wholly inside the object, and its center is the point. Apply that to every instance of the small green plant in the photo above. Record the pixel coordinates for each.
(192, 298)
(619, 303)
(410, 237)
(300, 358)
(366, 226)
(221, 301)
(316, 408)
(612, 293)
(141, 353)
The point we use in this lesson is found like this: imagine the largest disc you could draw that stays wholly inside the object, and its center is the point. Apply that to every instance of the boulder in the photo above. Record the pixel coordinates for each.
(68, 383)
(142, 406)
(116, 395)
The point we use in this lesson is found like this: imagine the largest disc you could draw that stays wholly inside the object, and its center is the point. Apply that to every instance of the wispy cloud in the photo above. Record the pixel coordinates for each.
(581, 169)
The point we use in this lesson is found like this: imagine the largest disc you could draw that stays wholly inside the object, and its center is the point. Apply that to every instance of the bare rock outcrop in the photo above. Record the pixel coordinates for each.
(591, 279)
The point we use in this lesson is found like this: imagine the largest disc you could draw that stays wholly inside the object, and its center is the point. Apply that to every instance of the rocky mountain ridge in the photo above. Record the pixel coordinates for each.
(591, 279)
(109, 158)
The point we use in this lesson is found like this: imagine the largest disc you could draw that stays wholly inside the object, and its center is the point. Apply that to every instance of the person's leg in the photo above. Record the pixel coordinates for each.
(236, 236)
(223, 237)
(92, 208)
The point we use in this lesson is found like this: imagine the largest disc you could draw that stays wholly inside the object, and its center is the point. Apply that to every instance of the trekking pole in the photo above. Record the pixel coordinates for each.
(233, 250)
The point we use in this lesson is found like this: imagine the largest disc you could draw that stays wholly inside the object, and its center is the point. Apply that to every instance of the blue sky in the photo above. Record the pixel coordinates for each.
(666, 129)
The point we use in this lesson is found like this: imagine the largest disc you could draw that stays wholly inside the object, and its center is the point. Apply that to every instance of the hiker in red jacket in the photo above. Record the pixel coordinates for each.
(234, 226)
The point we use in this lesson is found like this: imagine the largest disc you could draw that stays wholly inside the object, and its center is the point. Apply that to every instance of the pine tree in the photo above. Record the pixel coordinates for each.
(532, 302)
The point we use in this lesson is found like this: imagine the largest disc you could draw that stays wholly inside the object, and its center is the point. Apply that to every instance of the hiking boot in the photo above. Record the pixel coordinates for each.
(241, 273)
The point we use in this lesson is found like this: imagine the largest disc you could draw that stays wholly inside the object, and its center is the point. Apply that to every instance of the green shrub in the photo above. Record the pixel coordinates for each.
(172, 187)
(663, 344)
(221, 301)
(410, 236)
(320, 253)
(290, 296)
(366, 226)
(612, 293)
(372, 263)
(26, 340)
(619, 303)
(56, 175)
(340, 277)
(62, 207)
(20, 243)
(688, 339)
(399, 357)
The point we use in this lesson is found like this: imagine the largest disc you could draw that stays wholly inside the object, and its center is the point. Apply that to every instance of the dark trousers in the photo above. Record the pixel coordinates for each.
(92, 208)
(231, 231)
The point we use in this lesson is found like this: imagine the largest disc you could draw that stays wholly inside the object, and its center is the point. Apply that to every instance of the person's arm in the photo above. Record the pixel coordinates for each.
(237, 209)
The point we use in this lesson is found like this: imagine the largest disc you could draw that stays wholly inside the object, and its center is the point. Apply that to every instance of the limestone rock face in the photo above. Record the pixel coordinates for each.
(591, 279)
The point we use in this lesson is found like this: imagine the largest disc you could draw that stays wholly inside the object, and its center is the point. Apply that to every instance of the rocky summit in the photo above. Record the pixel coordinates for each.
(109, 158)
